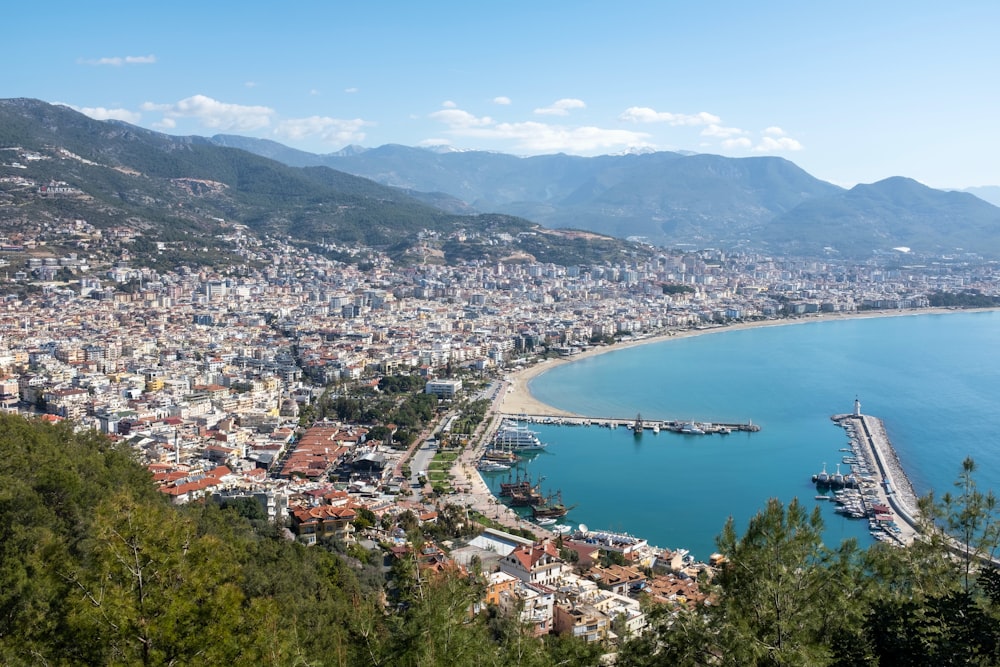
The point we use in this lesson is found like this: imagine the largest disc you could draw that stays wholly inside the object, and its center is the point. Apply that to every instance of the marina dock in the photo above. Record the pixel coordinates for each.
(641, 424)
(885, 486)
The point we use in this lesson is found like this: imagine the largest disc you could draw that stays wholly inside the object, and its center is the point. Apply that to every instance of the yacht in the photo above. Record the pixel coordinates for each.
(512, 436)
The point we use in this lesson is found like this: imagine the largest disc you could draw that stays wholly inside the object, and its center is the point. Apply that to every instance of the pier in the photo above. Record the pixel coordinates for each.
(686, 427)
(892, 489)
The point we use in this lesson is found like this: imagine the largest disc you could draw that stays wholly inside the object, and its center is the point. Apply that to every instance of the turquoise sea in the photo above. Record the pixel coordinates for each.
(933, 379)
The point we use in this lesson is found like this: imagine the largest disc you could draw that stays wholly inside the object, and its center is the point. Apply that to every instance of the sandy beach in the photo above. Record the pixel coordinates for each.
(517, 399)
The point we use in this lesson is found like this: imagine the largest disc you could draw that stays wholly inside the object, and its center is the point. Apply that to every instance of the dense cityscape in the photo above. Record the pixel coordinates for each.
(213, 377)
(355, 337)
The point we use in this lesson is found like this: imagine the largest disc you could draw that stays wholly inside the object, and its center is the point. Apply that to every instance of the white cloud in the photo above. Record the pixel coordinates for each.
(561, 107)
(118, 61)
(250, 84)
(350, 91)
(432, 142)
(457, 119)
(314, 91)
(166, 124)
(537, 137)
(771, 145)
(714, 130)
(334, 131)
(542, 137)
(101, 113)
(773, 138)
(448, 104)
(647, 115)
(215, 114)
(502, 100)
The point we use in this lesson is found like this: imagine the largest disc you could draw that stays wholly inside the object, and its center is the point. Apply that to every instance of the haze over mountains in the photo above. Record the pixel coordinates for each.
(988, 193)
(386, 196)
(681, 199)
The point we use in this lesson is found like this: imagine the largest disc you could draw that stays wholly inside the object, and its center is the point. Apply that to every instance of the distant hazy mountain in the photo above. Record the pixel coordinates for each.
(988, 193)
(895, 212)
(695, 199)
(170, 183)
(665, 197)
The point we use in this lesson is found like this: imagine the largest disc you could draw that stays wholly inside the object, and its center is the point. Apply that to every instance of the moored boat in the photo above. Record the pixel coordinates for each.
(500, 455)
(691, 428)
(550, 507)
(515, 437)
(512, 486)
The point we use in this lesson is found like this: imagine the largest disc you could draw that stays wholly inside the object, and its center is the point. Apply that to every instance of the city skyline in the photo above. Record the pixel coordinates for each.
(853, 94)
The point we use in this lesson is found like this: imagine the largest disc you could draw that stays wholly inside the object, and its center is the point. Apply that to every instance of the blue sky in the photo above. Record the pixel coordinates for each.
(852, 92)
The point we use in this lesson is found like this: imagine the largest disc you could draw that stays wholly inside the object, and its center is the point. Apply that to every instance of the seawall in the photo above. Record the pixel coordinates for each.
(895, 488)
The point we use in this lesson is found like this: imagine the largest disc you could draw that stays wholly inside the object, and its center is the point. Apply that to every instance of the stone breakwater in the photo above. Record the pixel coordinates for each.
(869, 439)
(902, 488)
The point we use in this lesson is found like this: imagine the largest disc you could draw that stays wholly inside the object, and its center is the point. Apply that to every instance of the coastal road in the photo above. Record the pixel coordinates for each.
(419, 463)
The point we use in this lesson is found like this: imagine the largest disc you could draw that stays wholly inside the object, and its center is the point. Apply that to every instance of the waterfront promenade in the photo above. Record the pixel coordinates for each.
(472, 490)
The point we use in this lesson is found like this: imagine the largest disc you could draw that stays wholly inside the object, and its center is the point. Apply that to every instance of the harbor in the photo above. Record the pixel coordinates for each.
(594, 471)
(876, 488)
(510, 442)
(884, 500)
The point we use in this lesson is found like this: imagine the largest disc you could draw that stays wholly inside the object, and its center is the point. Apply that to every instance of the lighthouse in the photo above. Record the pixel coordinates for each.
(857, 408)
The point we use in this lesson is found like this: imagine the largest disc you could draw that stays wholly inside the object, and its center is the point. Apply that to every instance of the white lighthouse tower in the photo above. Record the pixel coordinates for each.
(857, 408)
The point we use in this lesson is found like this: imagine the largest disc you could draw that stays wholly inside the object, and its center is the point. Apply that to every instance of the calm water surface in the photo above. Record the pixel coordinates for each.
(933, 379)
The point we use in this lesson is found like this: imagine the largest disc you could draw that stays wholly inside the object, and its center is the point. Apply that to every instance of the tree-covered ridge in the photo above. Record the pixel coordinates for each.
(763, 203)
(187, 191)
(784, 598)
(96, 567)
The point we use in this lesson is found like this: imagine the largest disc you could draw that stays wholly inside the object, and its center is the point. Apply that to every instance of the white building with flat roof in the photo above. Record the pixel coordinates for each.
(443, 388)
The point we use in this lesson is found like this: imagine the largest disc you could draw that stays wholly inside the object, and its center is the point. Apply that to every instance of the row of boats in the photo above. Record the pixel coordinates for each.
(546, 509)
(856, 493)
(511, 441)
(685, 428)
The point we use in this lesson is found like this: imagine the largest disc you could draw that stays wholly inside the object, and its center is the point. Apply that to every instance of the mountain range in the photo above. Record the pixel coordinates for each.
(678, 199)
(58, 164)
(454, 206)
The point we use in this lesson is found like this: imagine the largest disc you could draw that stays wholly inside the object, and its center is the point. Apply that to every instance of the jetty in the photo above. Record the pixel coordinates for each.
(639, 424)
(883, 484)
(894, 509)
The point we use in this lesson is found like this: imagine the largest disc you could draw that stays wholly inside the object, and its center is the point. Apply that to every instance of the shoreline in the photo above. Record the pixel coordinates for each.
(516, 397)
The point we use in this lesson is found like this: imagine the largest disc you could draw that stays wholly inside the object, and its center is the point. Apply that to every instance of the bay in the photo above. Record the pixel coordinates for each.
(933, 379)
